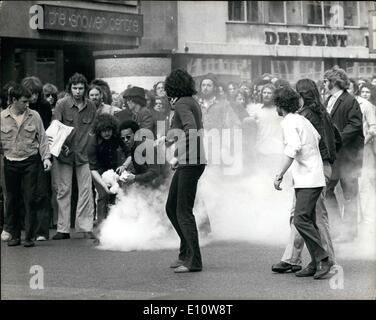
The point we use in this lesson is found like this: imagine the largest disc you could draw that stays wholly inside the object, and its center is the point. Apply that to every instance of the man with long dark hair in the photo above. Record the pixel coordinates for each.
(189, 163)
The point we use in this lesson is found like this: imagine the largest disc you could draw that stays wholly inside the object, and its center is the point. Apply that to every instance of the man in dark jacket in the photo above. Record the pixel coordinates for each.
(137, 110)
(346, 115)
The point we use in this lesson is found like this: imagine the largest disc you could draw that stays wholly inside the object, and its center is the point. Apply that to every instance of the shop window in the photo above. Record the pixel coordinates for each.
(246, 11)
(276, 11)
(292, 71)
(351, 13)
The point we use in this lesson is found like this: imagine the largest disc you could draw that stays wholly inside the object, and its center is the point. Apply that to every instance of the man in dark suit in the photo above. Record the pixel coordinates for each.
(346, 115)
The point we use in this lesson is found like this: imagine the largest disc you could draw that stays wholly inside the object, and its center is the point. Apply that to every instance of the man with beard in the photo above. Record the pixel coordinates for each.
(269, 142)
(215, 113)
(44, 192)
(96, 95)
(76, 111)
(346, 115)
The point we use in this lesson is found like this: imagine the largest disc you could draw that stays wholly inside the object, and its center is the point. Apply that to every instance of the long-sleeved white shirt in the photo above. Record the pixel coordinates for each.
(302, 143)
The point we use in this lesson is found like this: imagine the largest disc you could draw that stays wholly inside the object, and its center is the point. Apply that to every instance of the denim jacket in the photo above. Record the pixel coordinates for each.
(26, 140)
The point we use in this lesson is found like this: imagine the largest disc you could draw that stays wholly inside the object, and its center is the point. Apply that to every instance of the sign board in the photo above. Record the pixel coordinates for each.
(92, 21)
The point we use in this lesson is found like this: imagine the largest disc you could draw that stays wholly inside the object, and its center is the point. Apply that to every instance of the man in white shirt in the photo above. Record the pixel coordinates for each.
(268, 144)
(302, 154)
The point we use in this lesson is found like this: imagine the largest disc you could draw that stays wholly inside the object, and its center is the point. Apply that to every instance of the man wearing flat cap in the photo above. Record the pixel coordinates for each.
(137, 111)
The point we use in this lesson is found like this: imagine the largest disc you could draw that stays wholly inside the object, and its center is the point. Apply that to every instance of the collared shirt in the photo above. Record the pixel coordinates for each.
(302, 143)
(332, 100)
(74, 151)
(19, 142)
(269, 137)
(369, 116)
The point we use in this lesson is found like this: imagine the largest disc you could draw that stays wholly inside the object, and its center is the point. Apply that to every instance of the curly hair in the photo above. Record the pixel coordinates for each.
(338, 77)
(106, 121)
(76, 79)
(287, 99)
(372, 89)
(179, 83)
(129, 124)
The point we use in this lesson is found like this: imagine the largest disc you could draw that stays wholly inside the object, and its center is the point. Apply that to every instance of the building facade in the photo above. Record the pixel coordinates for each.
(139, 42)
(241, 40)
(54, 39)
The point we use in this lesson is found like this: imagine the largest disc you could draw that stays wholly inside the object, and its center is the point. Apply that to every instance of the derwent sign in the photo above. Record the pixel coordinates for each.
(92, 21)
(305, 39)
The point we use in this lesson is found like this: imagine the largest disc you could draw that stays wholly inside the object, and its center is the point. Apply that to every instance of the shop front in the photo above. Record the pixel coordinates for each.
(54, 39)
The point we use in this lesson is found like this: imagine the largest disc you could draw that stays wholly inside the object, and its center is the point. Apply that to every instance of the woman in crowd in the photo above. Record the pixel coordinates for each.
(159, 89)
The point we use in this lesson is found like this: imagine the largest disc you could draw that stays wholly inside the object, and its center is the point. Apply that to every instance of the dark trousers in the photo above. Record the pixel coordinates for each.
(305, 221)
(179, 208)
(20, 182)
(348, 225)
(43, 202)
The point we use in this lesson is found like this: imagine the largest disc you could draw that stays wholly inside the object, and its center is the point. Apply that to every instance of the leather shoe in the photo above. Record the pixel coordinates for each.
(308, 271)
(323, 269)
(282, 267)
(176, 264)
(14, 242)
(61, 236)
(29, 243)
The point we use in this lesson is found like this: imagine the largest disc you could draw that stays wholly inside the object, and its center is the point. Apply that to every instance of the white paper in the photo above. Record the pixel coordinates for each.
(59, 132)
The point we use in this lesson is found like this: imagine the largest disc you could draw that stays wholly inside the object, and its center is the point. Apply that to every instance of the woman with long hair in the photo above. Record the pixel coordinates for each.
(189, 164)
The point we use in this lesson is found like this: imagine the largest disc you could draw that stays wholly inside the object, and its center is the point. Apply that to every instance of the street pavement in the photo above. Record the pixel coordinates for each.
(76, 269)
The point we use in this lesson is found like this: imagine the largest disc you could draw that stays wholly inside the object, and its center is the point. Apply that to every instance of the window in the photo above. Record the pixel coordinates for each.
(294, 12)
(276, 11)
(351, 13)
(313, 13)
(236, 11)
(254, 11)
(292, 71)
(246, 11)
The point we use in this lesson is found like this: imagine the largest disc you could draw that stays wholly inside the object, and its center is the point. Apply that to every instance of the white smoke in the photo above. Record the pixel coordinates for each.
(239, 208)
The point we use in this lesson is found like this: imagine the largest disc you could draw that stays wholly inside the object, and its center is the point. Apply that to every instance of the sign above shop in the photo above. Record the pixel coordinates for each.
(92, 21)
(305, 39)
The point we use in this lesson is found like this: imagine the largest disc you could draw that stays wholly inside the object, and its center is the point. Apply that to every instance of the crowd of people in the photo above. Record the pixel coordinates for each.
(324, 131)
